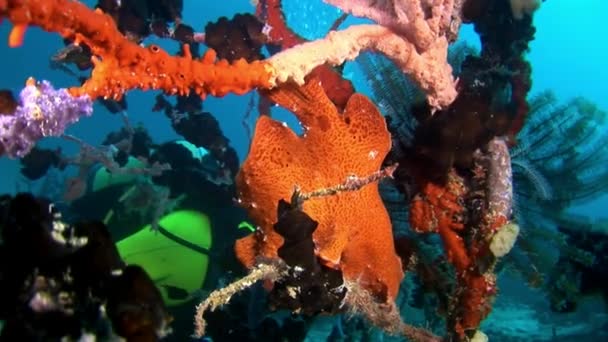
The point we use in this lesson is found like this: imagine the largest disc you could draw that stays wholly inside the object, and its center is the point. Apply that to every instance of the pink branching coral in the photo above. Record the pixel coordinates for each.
(423, 28)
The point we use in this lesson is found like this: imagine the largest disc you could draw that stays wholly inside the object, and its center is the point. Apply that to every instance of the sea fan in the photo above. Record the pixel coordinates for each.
(393, 91)
(559, 161)
(561, 145)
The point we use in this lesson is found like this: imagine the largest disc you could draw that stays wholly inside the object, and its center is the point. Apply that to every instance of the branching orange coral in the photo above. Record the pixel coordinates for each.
(121, 65)
(440, 209)
(354, 232)
(337, 88)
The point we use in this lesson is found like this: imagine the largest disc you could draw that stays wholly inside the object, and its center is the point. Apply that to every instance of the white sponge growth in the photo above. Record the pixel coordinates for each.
(504, 239)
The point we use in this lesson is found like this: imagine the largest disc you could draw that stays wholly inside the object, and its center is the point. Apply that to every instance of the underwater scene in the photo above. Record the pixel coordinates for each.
(303, 170)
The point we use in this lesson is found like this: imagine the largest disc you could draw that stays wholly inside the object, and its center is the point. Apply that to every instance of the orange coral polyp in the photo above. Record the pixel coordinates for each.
(16, 36)
(121, 65)
(437, 207)
(354, 232)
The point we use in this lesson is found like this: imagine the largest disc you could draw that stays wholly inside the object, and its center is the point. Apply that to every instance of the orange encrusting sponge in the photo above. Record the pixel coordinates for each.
(121, 64)
(354, 232)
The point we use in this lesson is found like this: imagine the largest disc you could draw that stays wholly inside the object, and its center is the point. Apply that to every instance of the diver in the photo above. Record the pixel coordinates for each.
(188, 248)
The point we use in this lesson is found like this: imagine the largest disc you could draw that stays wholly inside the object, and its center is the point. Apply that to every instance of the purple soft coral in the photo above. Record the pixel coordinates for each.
(43, 111)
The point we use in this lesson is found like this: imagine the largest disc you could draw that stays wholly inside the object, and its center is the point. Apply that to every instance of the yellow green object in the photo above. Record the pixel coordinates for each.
(246, 225)
(175, 256)
(103, 178)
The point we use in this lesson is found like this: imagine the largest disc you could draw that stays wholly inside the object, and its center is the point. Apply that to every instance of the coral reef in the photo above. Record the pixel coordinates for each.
(461, 153)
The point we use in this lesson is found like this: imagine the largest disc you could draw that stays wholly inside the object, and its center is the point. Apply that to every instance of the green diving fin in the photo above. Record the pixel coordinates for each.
(175, 257)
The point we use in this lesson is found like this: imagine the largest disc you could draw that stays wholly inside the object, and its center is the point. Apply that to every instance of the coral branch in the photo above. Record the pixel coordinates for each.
(352, 183)
(418, 21)
(337, 88)
(121, 65)
(441, 207)
(270, 12)
(429, 69)
(423, 26)
(271, 272)
(386, 316)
